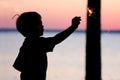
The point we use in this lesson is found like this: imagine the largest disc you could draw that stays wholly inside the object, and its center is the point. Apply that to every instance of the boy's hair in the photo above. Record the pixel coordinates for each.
(26, 22)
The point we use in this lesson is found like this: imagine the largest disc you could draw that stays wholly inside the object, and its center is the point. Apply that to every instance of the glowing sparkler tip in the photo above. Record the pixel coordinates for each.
(90, 12)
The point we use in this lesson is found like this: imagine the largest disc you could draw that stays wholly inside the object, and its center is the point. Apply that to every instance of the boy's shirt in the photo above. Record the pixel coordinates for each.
(33, 55)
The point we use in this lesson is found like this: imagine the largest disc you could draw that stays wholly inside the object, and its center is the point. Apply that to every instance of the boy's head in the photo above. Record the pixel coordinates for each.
(29, 24)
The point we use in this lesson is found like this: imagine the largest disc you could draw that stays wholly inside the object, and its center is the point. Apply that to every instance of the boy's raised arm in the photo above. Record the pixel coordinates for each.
(63, 35)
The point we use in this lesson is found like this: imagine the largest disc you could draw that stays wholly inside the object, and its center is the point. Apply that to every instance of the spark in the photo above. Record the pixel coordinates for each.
(91, 11)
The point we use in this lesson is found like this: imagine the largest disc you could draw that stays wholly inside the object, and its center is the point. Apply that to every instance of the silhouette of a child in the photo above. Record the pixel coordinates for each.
(32, 58)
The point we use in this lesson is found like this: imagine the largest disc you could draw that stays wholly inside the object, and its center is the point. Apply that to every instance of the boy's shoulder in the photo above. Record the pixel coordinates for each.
(40, 43)
(37, 40)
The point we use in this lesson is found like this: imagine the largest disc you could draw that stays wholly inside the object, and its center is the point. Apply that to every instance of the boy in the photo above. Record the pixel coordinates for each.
(32, 58)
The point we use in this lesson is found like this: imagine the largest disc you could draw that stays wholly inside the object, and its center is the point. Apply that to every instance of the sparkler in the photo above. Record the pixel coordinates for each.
(91, 12)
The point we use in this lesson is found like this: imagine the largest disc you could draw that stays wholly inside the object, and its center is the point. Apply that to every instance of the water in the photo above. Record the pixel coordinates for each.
(67, 62)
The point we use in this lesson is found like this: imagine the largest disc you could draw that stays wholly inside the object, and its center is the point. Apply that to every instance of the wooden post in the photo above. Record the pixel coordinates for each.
(93, 46)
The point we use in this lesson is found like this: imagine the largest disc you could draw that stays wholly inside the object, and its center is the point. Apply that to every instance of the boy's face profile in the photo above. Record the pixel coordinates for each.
(29, 24)
(38, 27)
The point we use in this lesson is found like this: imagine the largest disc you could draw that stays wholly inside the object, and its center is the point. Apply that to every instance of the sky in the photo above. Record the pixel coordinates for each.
(57, 14)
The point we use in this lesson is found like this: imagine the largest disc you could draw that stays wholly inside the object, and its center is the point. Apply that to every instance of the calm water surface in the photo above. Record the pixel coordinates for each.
(67, 61)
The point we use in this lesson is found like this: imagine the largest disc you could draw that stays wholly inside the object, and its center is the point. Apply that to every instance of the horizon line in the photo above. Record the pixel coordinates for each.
(59, 30)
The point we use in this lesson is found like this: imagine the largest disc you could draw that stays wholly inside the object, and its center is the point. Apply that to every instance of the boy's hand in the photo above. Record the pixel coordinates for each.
(76, 21)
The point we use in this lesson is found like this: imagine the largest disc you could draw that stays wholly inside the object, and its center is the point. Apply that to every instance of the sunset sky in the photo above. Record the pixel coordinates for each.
(57, 14)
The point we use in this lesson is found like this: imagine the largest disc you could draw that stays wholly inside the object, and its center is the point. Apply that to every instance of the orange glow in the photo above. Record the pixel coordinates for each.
(57, 14)
(110, 14)
(90, 11)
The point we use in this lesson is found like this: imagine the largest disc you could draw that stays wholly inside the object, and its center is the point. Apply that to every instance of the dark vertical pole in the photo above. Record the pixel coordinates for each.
(93, 46)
